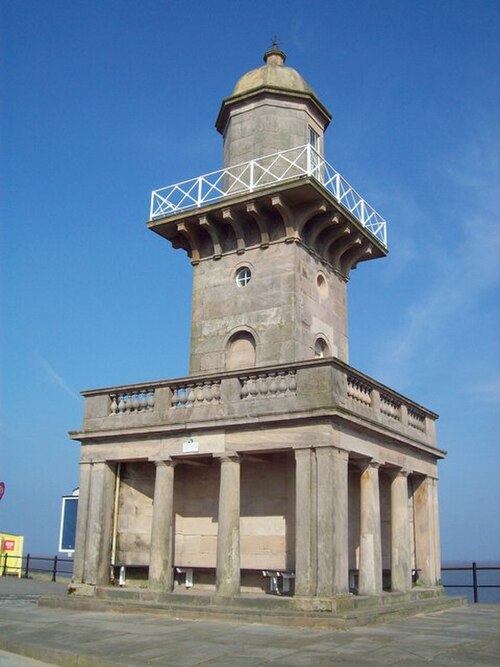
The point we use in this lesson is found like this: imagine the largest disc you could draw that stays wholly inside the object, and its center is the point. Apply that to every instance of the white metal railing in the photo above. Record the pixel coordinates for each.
(262, 172)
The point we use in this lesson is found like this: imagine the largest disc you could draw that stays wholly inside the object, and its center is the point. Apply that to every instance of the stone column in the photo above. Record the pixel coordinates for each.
(400, 533)
(305, 522)
(333, 570)
(81, 522)
(370, 546)
(227, 581)
(437, 536)
(424, 531)
(161, 559)
(99, 524)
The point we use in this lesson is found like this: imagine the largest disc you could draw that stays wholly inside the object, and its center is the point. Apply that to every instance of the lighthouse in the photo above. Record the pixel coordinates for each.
(274, 466)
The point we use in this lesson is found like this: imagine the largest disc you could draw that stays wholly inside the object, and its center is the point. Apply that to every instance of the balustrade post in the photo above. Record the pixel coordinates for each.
(403, 414)
(27, 568)
(54, 569)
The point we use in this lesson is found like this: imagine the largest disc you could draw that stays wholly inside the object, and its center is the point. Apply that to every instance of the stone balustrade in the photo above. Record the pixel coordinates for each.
(390, 406)
(317, 386)
(358, 390)
(132, 401)
(267, 385)
(416, 419)
(191, 394)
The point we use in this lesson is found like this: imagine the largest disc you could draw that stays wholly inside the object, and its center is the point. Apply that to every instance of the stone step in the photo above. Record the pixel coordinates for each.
(244, 613)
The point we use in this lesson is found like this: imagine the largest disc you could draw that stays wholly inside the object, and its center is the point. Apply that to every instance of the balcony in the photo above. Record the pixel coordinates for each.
(264, 172)
(304, 391)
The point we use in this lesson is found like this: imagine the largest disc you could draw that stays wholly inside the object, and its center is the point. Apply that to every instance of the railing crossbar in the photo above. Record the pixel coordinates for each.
(261, 172)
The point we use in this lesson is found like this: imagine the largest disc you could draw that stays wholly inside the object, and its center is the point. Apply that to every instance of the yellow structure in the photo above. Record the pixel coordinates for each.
(11, 554)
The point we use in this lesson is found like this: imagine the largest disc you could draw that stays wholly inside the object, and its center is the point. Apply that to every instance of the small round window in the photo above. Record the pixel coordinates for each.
(243, 276)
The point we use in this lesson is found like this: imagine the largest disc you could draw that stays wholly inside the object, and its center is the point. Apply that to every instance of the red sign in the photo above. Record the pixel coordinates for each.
(9, 545)
(2, 489)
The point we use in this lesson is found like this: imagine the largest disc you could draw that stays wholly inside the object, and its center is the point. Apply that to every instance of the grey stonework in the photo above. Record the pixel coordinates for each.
(273, 455)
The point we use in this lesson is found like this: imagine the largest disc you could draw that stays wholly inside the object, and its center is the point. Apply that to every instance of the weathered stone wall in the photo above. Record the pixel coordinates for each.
(263, 127)
(282, 306)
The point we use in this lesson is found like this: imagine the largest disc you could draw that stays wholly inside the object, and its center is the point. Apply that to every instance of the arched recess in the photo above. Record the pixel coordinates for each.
(321, 348)
(240, 351)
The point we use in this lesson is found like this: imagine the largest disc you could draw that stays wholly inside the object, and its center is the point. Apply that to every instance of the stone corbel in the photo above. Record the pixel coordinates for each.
(285, 211)
(351, 257)
(193, 238)
(319, 227)
(256, 213)
(337, 237)
(208, 224)
(307, 213)
(237, 227)
(342, 246)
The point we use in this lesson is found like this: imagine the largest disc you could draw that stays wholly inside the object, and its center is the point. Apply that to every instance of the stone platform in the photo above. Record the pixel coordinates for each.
(338, 613)
(466, 636)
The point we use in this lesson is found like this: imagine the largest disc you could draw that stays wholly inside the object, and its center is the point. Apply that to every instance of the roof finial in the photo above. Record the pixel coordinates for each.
(274, 56)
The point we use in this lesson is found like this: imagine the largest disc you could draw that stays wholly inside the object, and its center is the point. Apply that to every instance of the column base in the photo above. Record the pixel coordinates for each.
(314, 603)
(86, 590)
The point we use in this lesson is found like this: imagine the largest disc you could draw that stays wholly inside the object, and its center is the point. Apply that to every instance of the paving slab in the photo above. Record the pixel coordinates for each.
(464, 636)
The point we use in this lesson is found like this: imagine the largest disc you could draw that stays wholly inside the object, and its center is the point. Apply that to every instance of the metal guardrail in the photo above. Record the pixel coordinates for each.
(28, 564)
(475, 585)
(262, 172)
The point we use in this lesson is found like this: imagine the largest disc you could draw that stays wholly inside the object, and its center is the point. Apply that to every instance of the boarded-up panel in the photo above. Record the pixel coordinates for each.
(135, 512)
(353, 511)
(196, 493)
(385, 519)
(268, 513)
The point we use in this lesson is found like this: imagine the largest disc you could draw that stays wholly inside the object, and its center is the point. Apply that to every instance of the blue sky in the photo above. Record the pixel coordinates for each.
(104, 101)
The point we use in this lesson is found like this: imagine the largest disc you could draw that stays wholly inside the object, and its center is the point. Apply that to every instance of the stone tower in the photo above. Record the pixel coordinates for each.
(274, 465)
(271, 263)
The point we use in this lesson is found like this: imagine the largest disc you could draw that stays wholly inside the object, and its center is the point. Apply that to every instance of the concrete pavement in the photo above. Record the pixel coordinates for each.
(462, 636)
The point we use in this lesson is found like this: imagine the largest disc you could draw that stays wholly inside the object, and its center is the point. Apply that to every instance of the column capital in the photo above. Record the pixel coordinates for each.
(339, 452)
(166, 461)
(227, 456)
(302, 448)
(397, 471)
(370, 463)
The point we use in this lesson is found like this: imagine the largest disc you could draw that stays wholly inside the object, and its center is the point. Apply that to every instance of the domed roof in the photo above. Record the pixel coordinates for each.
(273, 79)
(273, 74)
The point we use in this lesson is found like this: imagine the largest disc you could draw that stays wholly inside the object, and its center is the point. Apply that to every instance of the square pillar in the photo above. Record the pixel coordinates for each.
(81, 522)
(333, 570)
(227, 580)
(437, 536)
(370, 545)
(400, 532)
(305, 522)
(423, 502)
(99, 520)
(161, 562)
